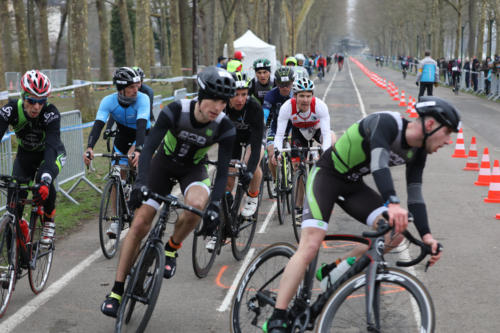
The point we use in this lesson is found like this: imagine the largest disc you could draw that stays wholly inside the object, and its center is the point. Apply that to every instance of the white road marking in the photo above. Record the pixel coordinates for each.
(329, 85)
(361, 105)
(229, 296)
(268, 218)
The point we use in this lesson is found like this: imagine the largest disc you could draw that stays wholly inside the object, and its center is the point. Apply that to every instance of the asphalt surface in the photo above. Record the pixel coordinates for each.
(463, 284)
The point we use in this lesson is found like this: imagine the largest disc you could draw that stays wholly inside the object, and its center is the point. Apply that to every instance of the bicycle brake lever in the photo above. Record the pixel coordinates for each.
(428, 264)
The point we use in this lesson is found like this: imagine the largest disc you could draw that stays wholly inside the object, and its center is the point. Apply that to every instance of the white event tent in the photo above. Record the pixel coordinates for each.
(254, 48)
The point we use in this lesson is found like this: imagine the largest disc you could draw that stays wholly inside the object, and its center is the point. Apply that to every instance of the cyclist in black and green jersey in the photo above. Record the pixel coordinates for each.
(262, 82)
(186, 129)
(372, 145)
(40, 153)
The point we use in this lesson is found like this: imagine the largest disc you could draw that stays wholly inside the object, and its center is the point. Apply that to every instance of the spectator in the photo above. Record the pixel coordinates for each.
(467, 69)
(487, 68)
(222, 62)
(428, 74)
(235, 64)
(476, 66)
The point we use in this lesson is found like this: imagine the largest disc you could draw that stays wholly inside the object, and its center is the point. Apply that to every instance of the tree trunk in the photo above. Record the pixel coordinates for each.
(70, 29)
(142, 34)
(480, 31)
(497, 20)
(6, 44)
(104, 73)
(64, 15)
(275, 25)
(80, 58)
(43, 33)
(440, 50)
(435, 28)
(2, 64)
(228, 27)
(127, 32)
(472, 23)
(151, 44)
(34, 59)
(185, 16)
(22, 36)
(175, 42)
(164, 23)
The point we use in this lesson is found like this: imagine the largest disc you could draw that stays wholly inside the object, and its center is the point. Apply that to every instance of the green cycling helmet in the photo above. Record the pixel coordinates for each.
(262, 63)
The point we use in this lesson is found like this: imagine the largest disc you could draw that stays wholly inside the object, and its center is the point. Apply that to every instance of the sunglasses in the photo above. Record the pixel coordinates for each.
(34, 101)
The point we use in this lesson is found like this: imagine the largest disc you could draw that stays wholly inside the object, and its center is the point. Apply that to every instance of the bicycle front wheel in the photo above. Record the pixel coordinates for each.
(299, 182)
(243, 232)
(110, 218)
(8, 262)
(204, 252)
(41, 256)
(142, 290)
(253, 302)
(284, 181)
(401, 304)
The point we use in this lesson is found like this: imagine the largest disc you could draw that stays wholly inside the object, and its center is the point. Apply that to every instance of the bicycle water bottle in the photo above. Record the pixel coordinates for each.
(335, 272)
(25, 229)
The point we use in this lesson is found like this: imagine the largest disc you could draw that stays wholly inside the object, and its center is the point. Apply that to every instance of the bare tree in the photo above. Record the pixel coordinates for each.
(480, 34)
(228, 7)
(127, 32)
(104, 73)
(22, 36)
(32, 35)
(80, 58)
(496, 8)
(175, 43)
(8, 59)
(2, 64)
(64, 15)
(457, 5)
(142, 35)
(185, 17)
(43, 33)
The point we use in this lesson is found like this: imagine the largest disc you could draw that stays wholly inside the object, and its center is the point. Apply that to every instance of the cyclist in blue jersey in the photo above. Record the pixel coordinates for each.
(283, 77)
(130, 109)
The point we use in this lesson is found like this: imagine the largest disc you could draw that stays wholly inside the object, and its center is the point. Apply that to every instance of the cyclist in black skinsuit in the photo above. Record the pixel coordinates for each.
(372, 145)
(262, 82)
(186, 130)
(41, 153)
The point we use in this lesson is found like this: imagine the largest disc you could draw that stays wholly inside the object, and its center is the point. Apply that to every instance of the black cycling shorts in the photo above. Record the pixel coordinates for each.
(164, 174)
(323, 189)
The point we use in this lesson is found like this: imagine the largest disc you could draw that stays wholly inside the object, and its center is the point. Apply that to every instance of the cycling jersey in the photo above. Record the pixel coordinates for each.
(308, 122)
(427, 70)
(372, 145)
(249, 124)
(272, 103)
(185, 142)
(259, 91)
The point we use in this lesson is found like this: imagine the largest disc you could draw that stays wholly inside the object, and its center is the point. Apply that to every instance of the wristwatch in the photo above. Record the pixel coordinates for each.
(393, 200)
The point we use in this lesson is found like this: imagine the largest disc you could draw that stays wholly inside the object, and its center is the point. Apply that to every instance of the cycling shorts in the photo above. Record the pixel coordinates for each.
(323, 189)
(164, 174)
(298, 140)
(121, 146)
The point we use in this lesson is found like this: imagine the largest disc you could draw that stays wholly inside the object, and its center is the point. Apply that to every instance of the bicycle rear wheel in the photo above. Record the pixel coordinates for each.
(402, 304)
(110, 212)
(8, 262)
(243, 231)
(253, 302)
(142, 289)
(40, 256)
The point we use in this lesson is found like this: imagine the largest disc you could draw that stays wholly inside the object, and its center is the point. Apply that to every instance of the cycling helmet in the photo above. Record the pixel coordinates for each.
(215, 83)
(139, 71)
(292, 60)
(283, 75)
(36, 83)
(124, 77)
(439, 109)
(240, 80)
(303, 84)
(262, 63)
(300, 57)
(239, 55)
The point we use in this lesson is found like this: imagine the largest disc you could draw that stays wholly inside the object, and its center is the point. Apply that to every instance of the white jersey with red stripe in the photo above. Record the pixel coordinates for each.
(317, 117)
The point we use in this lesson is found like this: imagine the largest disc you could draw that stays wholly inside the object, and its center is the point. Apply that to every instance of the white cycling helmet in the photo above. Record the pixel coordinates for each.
(300, 57)
(303, 84)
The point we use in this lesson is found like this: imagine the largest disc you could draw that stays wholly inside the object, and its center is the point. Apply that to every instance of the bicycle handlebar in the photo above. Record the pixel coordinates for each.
(171, 200)
(300, 149)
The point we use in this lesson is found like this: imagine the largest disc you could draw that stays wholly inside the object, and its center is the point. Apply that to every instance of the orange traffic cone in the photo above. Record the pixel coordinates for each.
(484, 177)
(472, 160)
(413, 112)
(402, 101)
(395, 97)
(494, 190)
(459, 146)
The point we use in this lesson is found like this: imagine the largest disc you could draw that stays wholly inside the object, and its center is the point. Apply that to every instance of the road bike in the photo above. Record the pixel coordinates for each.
(143, 283)
(114, 213)
(239, 229)
(22, 253)
(372, 296)
(284, 186)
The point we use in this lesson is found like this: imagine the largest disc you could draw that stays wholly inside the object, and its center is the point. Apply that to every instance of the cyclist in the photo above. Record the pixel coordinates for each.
(310, 121)
(283, 77)
(248, 118)
(340, 61)
(405, 64)
(456, 70)
(186, 130)
(262, 82)
(41, 153)
(130, 109)
(328, 63)
(300, 70)
(321, 65)
(372, 145)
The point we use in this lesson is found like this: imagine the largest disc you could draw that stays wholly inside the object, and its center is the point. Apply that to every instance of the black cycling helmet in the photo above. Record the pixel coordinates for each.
(439, 109)
(124, 77)
(240, 79)
(262, 63)
(139, 71)
(215, 83)
(283, 75)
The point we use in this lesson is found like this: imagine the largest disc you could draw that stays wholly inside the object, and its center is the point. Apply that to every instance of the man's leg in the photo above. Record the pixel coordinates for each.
(252, 200)
(421, 89)
(429, 88)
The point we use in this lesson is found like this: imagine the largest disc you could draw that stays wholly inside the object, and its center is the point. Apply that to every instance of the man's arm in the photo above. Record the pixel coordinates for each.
(6, 112)
(283, 117)
(54, 148)
(324, 122)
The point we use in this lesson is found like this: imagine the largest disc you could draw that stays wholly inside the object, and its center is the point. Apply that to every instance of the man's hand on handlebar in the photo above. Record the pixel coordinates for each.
(429, 240)
(398, 217)
(88, 156)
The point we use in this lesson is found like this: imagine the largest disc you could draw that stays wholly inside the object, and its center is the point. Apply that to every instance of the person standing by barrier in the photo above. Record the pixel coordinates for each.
(467, 69)
(428, 74)
(476, 67)
(41, 153)
(130, 109)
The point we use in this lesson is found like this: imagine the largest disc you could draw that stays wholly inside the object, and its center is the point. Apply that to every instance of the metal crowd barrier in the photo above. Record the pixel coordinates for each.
(5, 164)
(74, 168)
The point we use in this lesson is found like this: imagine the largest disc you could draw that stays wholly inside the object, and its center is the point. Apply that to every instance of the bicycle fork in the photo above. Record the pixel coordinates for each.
(372, 298)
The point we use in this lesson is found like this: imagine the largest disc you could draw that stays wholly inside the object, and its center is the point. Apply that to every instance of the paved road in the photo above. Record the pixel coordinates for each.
(463, 284)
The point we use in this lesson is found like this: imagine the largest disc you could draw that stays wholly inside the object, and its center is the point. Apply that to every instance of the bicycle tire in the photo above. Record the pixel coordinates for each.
(242, 318)
(346, 309)
(202, 259)
(142, 288)
(284, 182)
(267, 177)
(109, 246)
(8, 259)
(299, 177)
(41, 256)
(242, 234)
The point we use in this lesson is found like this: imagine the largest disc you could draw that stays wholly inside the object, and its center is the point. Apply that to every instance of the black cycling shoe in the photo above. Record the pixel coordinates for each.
(111, 304)
(276, 326)
(170, 264)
